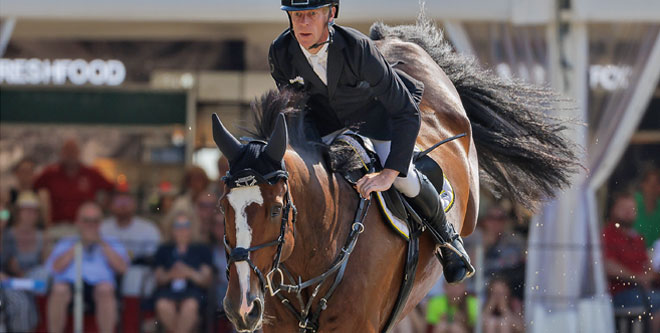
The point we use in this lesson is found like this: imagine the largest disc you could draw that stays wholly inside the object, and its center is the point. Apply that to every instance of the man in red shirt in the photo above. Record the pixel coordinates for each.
(70, 183)
(627, 264)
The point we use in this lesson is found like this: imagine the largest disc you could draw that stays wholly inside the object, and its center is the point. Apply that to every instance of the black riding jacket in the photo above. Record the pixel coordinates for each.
(364, 92)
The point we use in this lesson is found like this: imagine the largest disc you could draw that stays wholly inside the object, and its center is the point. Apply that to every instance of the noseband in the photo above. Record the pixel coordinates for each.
(249, 177)
(307, 319)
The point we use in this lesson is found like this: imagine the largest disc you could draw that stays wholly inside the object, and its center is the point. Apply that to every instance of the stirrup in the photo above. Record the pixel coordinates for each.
(464, 259)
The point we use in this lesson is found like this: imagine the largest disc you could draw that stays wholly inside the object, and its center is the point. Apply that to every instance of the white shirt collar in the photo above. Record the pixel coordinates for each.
(318, 61)
(322, 52)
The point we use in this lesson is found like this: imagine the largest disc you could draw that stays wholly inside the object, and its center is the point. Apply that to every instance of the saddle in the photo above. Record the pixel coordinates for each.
(353, 156)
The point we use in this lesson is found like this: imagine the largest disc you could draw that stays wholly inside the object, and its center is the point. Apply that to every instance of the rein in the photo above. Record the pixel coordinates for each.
(307, 320)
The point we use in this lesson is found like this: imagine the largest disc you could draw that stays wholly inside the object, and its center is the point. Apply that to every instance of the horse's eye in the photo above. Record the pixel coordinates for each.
(276, 211)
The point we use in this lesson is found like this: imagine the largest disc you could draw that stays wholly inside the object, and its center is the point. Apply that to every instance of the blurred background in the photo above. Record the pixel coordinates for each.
(118, 94)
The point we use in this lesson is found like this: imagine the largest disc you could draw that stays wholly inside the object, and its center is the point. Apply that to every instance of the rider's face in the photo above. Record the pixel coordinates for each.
(310, 26)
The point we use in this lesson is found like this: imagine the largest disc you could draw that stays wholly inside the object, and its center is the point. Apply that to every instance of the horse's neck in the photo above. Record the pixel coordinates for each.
(322, 224)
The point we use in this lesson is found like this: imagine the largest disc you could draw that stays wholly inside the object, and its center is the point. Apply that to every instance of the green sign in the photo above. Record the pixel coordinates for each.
(97, 107)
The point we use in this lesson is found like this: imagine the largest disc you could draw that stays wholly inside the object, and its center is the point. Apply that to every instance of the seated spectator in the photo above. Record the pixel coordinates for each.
(205, 215)
(647, 222)
(504, 249)
(183, 275)
(220, 256)
(102, 260)
(627, 264)
(195, 183)
(220, 265)
(453, 312)
(502, 312)
(69, 183)
(139, 236)
(24, 181)
(22, 252)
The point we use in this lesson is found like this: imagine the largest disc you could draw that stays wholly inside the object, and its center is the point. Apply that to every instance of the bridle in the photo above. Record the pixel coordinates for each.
(246, 178)
(308, 320)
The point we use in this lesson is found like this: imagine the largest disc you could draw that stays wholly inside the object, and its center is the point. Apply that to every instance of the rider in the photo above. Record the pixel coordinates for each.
(351, 85)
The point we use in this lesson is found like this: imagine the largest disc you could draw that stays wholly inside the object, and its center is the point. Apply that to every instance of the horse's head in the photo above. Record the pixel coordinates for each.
(258, 220)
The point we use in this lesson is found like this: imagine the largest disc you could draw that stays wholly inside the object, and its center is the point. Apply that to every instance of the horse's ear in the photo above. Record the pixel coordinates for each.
(225, 141)
(278, 140)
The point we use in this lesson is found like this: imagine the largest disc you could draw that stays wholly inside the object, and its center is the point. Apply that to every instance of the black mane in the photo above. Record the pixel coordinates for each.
(266, 108)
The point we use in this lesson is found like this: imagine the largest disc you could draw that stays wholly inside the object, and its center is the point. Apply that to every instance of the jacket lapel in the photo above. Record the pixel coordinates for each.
(303, 67)
(335, 62)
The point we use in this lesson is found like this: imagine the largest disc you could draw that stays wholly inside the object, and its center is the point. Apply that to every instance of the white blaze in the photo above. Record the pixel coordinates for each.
(239, 199)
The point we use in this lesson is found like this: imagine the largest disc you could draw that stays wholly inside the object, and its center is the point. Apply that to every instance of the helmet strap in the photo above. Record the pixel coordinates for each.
(329, 24)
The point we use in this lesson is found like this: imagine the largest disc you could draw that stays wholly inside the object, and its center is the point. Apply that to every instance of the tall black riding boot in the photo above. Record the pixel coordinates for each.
(455, 261)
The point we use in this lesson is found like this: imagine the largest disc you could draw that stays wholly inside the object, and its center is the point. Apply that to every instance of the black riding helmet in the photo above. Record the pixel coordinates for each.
(294, 5)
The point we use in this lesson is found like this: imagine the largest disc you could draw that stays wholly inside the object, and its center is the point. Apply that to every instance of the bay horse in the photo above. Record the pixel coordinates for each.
(286, 211)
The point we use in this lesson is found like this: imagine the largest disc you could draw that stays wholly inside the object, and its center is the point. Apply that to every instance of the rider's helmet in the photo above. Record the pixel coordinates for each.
(294, 5)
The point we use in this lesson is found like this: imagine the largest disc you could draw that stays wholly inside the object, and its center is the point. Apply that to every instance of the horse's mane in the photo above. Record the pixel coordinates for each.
(266, 108)
(521, 151)
(340, 158)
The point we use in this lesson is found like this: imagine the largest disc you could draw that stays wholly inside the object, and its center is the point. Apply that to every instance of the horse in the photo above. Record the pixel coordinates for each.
(288, 216)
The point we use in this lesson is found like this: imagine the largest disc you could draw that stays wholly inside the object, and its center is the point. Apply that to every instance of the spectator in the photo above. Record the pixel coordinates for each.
(504, 250)
(69, 183)
(195, 183)
(183, 274)
(22, 251)
(139, 236)
(627, 264)
(163, 200)
(205, 215)
(453, 312)
(4, 221)
(648, 207)
(24, 241)
(24, 175)
(220, 265)
(219, 255)
(502, 312)
(103, 259)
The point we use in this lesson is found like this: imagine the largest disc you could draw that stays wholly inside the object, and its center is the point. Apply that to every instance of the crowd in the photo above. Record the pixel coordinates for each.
(631, 249)
(45, 218)
(70, 208)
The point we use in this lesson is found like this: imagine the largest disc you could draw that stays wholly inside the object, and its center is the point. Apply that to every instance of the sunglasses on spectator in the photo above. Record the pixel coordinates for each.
(91, 219)
(182, 225)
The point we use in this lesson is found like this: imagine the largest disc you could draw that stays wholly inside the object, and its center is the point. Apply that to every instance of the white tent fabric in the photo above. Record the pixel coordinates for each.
(566, 288)
(565, 283)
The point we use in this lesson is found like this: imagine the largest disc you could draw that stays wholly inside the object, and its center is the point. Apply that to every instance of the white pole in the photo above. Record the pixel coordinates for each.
(78, 287)
(480, 282)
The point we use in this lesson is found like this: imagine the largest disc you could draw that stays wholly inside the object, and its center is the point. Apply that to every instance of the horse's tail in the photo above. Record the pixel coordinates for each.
(520, 149)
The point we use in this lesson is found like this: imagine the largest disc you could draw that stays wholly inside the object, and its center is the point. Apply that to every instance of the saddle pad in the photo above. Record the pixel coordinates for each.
(387, 201)
(401, 226)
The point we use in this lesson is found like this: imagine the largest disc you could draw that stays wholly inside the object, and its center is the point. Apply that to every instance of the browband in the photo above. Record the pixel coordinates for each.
(249, 177)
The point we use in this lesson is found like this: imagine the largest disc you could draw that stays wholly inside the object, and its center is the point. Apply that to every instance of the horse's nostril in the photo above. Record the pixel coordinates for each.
(255, 313)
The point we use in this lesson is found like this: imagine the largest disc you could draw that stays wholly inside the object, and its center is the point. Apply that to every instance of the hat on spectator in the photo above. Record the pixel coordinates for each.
(27, 199)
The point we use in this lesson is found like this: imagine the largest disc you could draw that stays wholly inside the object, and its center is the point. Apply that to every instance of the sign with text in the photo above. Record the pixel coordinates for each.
(35, 71)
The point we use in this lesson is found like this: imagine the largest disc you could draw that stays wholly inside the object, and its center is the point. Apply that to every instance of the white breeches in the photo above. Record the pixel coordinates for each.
(408, 185)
